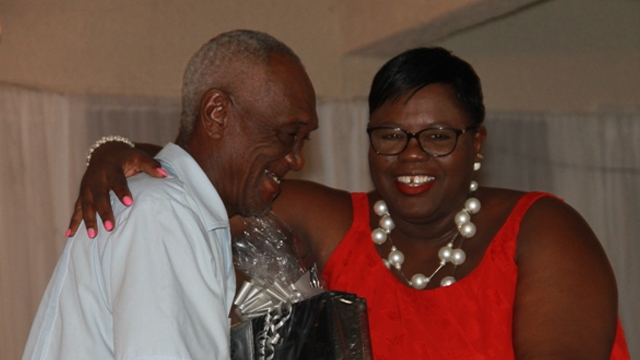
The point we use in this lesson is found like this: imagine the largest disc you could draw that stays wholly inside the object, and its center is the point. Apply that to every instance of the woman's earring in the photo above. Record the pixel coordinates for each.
(477, 164)
(476, 167)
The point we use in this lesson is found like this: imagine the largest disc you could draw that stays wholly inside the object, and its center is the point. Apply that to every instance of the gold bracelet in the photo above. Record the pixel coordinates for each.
(104, 140)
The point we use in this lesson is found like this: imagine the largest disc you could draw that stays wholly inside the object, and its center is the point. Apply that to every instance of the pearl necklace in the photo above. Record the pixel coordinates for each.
(446, 254)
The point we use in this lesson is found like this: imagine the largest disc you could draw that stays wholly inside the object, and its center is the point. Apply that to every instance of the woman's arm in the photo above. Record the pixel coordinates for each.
(110, 165)
(320, 215)
(566, 297)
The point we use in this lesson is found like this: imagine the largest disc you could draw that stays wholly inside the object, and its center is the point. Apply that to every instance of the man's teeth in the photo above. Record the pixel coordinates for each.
(273, 176)
(415, 180)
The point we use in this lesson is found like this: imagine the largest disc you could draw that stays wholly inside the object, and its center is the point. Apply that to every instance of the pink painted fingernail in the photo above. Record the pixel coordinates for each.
(161, 171)
(127, 200)
(108, 225)
(67, 233)
(91, 233)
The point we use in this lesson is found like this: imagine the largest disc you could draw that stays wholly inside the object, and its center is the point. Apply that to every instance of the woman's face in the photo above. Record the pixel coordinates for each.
(415, 185)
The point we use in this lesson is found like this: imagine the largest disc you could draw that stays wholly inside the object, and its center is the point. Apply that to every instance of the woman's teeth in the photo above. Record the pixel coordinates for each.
(415, 180)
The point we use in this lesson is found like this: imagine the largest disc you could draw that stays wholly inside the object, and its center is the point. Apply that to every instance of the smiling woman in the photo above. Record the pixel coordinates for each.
(450, 269)
(433, 106)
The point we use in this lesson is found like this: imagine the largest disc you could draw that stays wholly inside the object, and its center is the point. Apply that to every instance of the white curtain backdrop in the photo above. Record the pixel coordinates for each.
(36, 144)
(590, 160)
(43, 141)
(336, 155)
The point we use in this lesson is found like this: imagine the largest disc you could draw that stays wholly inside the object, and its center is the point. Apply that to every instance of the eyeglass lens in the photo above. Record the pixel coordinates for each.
(388, 141)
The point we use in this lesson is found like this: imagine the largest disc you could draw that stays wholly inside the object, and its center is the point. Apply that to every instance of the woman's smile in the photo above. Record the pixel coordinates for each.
(414, 184)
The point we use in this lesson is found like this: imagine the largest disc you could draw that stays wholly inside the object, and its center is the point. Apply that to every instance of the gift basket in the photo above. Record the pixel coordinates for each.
(286, 312)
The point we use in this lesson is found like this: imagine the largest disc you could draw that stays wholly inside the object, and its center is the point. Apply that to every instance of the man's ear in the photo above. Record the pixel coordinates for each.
(214, 110)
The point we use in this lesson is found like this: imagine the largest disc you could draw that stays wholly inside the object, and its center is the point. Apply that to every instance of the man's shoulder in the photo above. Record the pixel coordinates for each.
(147, 189)
(185, 186)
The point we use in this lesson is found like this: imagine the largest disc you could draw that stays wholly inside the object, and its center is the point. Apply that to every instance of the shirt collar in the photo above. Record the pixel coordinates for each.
(179, 163)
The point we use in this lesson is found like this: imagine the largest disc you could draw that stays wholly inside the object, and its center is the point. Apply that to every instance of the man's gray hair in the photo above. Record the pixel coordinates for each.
(217, 63)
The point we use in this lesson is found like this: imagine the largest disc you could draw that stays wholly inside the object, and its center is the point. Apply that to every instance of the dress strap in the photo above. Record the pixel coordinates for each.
(360, 203)
(524, 204)
(506, 240)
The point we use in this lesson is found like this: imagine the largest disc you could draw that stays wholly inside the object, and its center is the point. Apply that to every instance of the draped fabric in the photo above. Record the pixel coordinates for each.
(590, 160)
(35, 196)
(43, 142)
(336, 155)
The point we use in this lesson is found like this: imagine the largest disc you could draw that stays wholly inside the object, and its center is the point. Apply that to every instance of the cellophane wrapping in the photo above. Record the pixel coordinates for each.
(286, 312)
(280, 269)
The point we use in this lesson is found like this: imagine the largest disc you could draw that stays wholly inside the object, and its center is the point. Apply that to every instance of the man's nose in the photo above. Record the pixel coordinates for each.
(295, 159)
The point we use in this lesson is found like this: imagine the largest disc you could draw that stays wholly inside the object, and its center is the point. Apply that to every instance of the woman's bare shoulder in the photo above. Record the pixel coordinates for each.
(560, 260)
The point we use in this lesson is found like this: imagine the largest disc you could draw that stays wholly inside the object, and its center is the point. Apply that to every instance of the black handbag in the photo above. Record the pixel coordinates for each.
(331, 325)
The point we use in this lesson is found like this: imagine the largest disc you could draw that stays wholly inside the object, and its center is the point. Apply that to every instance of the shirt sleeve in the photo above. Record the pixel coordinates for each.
(167, 282)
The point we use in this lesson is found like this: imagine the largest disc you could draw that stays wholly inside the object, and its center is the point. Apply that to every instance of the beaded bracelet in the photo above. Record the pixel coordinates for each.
(104, 140)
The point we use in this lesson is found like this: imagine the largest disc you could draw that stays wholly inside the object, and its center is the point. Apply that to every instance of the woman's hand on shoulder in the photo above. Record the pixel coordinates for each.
(108, 170)
(566, 297)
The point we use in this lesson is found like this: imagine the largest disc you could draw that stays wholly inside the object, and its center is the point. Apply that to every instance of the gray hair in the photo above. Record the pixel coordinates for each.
(218, 64)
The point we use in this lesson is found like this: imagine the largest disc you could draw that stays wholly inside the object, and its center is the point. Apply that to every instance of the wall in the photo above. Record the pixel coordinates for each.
(575, 55)
(140, 47)
(569, 55)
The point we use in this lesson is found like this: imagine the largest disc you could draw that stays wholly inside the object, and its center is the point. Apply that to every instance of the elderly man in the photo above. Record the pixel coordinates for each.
(160, 285)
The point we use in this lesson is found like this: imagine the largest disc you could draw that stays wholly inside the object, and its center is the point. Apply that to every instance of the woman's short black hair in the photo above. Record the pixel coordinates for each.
(414, 69)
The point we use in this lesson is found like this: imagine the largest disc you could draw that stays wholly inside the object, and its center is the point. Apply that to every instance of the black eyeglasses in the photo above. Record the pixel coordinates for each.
(435, 141)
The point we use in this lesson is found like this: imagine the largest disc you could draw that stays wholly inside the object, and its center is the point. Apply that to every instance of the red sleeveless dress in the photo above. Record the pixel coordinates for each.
(470, 319)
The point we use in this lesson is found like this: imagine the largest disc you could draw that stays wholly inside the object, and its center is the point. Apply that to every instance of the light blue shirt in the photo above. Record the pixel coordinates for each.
(159, 286)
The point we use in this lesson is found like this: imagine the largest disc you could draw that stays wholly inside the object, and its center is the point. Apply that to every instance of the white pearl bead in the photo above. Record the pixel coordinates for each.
(458, 256)
(477, 165)
(447, 280)
(472, 205)
(474, 186)
(379, 236)
(462, 217)
(445, 253)
(387, 223)
(396, 257)
(467, 230)
(380, 208)
(419, 281)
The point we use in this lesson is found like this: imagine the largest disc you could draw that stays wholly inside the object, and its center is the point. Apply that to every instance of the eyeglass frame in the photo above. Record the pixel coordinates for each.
(411, 135)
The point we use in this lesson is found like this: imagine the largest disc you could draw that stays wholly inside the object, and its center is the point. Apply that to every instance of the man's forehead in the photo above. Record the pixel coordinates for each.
(280, 89)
